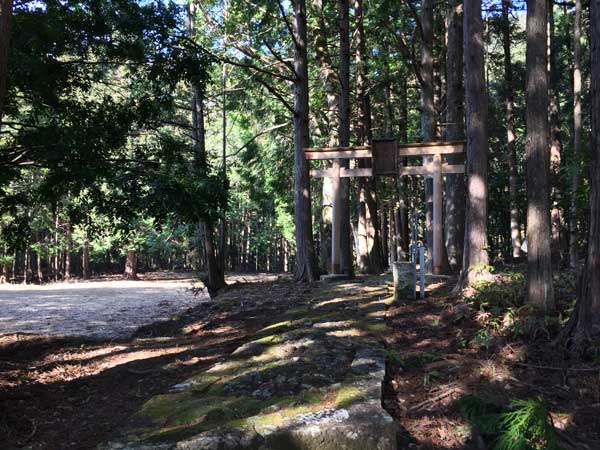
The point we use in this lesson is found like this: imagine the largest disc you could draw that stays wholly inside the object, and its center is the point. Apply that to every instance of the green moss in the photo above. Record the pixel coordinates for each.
(348, 395)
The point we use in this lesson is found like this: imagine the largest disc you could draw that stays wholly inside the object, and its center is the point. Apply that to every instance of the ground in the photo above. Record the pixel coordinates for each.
(101, 308)
(446, 347)
(77, 393)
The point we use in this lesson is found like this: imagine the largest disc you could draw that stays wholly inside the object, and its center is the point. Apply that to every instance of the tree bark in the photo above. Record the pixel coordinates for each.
(305, 260)
(215, 279)
(455, 184)
(403, 226)
(328, 78)
(556, 214)
(515, 226)
(370, 256)
(573, 251)
(68, 249)
(85, 259)
(347, 266)
(539, 267)
(131, 265)
(427, 104)
(475, 259)
(585, 319)
(6, 7)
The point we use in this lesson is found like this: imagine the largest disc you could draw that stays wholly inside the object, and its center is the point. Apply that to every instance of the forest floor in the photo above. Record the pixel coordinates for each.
(67, 393)
(444, 348)
(71, 393)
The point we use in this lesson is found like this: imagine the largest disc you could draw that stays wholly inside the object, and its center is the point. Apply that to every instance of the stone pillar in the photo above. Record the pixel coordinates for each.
(404, 280)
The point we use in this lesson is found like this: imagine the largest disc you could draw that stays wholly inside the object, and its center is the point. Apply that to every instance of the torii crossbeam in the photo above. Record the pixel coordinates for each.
(387, 159)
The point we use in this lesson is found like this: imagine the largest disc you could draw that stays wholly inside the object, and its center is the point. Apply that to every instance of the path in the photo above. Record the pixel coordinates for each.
(97, 309)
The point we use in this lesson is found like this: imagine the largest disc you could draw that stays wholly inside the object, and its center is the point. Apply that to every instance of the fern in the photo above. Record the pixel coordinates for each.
(524, 425)
(527, 426)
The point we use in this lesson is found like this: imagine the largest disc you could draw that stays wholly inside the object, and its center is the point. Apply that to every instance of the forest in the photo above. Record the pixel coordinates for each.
(191, 136)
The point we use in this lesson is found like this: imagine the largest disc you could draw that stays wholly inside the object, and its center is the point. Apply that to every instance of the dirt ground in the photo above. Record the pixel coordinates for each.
(66, 393)
(73, 393)
(100, 308)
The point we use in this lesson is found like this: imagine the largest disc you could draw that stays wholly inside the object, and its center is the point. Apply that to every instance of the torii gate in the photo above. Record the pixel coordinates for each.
(387, 158)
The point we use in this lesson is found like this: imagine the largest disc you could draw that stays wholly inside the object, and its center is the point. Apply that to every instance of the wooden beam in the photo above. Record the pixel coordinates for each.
(338, 154)
(431, 148)
(344, 173)
(429, 170)
(337, 149)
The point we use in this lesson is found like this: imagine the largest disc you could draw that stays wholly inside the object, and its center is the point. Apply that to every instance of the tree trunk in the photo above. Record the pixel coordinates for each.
(38, 264)
(539, 267)
(427, 104)
(346, 263)
(6, 11)
(223, 228)
(131, 265)
(68, 248)
(515, 227)
(573, 252)
(305, 260)
(403, 183)
(85, 259)
(556, 214)
(215, 278)
(370, 257)
(56, 247)
(455, 184)
(475, 259)
(586, 317)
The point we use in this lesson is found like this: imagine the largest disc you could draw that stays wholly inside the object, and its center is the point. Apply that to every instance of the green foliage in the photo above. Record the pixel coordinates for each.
(528, 427)
(483, 338)
(523, 425)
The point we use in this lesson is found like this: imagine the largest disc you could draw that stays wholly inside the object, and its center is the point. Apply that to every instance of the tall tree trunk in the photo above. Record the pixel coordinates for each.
(427, 104)
(27, 265)
(68, 249)
(556, 214)
(56, 247)
(38, 262)
(403, 183)
(455, 184)
(573, 252)
(85, 258)
(6, 7)
(515, 226)
(475, 259)
(539, 267)
(305, 258)
(215, 278)
(586, 317)
(370, 255)
(328, 78)
(347, 266)
(223, 228)
(131, 265)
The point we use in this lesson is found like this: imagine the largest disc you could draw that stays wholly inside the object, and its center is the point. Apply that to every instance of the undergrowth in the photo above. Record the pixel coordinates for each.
(522, 425)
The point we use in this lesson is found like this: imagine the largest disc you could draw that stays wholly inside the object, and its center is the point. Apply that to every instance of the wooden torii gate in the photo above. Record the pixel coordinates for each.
(388, 159)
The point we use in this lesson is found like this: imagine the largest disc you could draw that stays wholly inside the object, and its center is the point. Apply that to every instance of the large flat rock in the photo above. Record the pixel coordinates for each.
(312, 380)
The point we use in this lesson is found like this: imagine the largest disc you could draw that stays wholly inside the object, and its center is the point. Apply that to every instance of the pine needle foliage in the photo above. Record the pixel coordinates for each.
(523, 425)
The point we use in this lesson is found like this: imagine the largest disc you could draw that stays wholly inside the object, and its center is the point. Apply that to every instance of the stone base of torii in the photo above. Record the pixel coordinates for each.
(388, 159)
